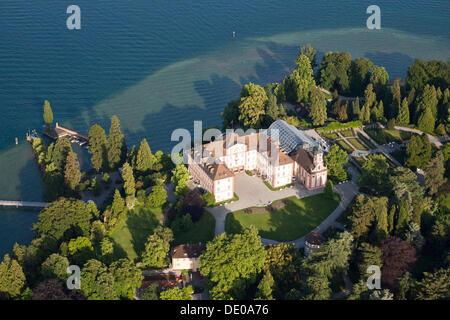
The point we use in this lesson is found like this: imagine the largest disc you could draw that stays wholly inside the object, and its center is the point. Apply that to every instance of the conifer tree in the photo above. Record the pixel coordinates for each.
(116, 147)
(403, 217)
(403, 114)
(72, 172)
(264, 290)
(356, 111)
(318, 112)
(144, 159)
(48, 114)
(129, 184)
(97, 146)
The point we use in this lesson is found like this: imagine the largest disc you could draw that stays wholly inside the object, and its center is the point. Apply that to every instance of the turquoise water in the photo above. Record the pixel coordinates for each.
(159, 65)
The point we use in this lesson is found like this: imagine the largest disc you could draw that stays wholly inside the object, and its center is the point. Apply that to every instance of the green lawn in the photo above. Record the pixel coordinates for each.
(357, 144)
(366, 141)
(398, 135)
(347, 133)
(344, 145)
(291, 222)
(329, 135)
(130, 235)
(202, 231)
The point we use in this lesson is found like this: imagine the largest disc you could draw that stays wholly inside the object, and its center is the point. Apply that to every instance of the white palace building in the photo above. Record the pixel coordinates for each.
(279, 154)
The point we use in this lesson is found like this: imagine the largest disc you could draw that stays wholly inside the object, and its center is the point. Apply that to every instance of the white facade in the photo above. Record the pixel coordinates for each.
(223, 189)
(186, 264)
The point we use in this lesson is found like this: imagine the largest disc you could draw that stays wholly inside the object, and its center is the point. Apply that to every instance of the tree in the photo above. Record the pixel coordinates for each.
(318, 112)
(152, 292)
(433, 286)
(118, 205)
(396, 100)
(60, 152)
(193, 204)
(264, 289)
(328, 190)
(283, 261)
(334, 71)
(334, 160)
(54, 289)
(97, 146)
(426, 100)
(232, 262)
(176, 293)
(157, 248)
(403, 217)
(55, 266)
(144, 160)
(375, 172)
(72, 173)
(361, 216)
(332, 256)
(379, 78)
(360, 75)
(434, 173)
(81, 250)
(12, 278)
(403, 113)
(106, 250)
(251, 112)
(356, 111)
(426, 121)
(180, 179)
(158, 197)
(300, 82)
(318, 288)
(398, 257)
(127, 277)
(432, 72)
(129, 184)
(384, 294)
(63, 220)
(48, 114)
(96, 282)
(309, 51)
(368, 255)
(418, 151)
(115, 145)
(381, 218)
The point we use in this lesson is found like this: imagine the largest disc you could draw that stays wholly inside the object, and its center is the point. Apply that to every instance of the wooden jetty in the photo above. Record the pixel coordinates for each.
(29, 204)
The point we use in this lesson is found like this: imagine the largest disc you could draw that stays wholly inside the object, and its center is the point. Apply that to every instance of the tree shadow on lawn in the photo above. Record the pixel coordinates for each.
(298, 218)
(141, 223)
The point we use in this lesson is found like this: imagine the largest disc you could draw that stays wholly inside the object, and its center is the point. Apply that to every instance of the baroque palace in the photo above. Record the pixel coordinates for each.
(281, 154)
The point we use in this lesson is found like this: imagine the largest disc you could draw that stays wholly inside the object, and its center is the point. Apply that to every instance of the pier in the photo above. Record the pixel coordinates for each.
(28, 204)
(59, 132)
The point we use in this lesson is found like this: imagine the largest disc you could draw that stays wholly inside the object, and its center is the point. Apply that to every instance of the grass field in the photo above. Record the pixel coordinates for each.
(291, 222)
(344, 145)
(130, 235)
(202, 231)
(329, 135)
(347, 133)
(357, 144)
(366, 141)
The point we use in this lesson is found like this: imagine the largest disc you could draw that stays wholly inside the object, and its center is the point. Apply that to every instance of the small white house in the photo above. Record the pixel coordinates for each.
(187, 256)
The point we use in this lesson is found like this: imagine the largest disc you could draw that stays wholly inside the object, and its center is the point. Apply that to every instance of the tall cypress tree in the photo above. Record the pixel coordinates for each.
(403, 114)
(116, 147)
(144, 160)
(48, 113)
(318, 112)
(403, 217)
(97, 146)
(129, 184)
(72, 172)
(356, 111)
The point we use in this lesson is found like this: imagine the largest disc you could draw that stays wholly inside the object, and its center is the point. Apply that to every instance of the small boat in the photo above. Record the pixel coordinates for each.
(234, 34)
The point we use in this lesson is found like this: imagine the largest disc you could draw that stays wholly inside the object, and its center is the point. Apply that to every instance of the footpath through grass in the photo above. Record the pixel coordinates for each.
(291, 222)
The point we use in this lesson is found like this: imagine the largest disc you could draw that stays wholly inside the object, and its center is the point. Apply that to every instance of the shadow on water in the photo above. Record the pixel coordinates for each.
(395, 63)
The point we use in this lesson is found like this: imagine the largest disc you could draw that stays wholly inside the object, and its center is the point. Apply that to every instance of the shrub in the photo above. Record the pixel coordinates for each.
(106, 178)
(209, 199)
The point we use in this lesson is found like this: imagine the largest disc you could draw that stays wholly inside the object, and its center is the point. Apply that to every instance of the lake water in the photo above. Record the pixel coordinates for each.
(161, 64)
